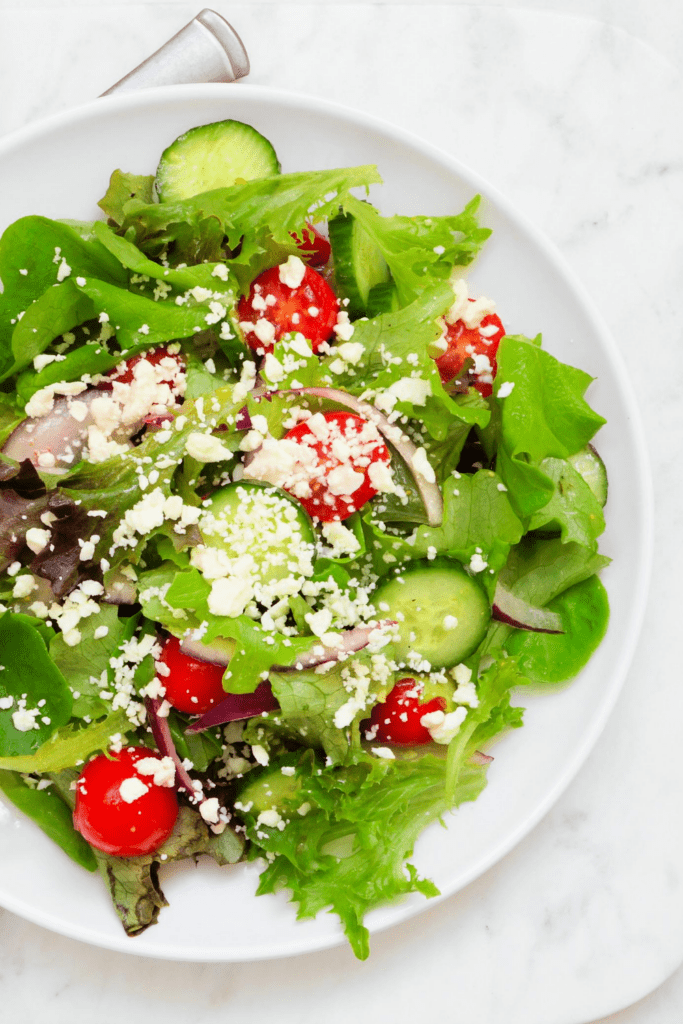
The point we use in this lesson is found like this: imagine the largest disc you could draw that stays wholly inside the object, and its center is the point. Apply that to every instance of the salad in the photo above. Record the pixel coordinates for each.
(287, 521)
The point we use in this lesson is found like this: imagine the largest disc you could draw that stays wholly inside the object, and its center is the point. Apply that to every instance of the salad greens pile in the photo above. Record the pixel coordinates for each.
(98, 555)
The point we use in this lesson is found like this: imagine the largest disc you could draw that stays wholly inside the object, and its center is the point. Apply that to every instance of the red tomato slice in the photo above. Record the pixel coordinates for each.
(128, 823)
(344, 458)
(466, 343)
(153, 356)
(192, 686)
(276, 309)
(397, 719)
(315, 248)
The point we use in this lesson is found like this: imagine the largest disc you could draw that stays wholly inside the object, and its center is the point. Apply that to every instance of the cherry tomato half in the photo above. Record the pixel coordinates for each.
(397, 719)
(315, 248)
(467, 343)
(120, 810)
(126, 375)
(340, 480)
(275, 309)
(192, 685)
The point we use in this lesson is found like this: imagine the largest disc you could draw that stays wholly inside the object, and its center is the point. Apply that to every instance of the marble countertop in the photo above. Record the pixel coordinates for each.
(572, 110)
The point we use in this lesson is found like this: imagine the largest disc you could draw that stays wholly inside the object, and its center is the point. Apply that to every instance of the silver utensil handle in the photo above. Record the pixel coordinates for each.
(207, 49)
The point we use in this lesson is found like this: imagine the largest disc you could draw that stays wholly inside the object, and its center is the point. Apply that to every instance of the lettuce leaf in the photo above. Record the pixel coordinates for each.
(29, 679)
(349, 852)
(477, 516)
(545, 415)
(421, 250)
(69, 746)
(250, 222)
(31, 252)
(51, 814)
(573, 509)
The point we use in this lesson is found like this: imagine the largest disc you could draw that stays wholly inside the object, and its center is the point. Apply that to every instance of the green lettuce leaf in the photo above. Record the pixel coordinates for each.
(30, 678)
(51, 814)
(573, 509)
(69, 746)
(420, 250)
(349, 852)
(545, 415)
(477, 517)
(122, 188)
(84, 663)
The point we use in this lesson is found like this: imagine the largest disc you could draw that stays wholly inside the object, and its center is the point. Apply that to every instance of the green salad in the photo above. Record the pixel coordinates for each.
(286, 518)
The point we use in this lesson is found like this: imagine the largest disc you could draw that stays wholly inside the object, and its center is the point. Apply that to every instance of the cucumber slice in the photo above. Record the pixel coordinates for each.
(382, 298)
(271, 791)
(358, 263)
(590, 466)
(263, 522)
(425, 599)
(213, 156)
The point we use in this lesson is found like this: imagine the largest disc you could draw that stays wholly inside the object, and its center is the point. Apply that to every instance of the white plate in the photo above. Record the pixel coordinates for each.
(60, 168)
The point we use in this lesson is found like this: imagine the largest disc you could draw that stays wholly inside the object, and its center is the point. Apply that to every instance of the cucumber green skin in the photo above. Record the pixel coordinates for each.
(228, 499)
(590, 466)
(213, 156)
(430, 591)
(359, 266)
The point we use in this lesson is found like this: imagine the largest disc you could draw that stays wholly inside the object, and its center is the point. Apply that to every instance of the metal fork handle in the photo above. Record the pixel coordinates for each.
(207, 49)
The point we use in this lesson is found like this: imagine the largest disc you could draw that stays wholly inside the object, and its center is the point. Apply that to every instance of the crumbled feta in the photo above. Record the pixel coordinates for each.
(206, 448)
(292, 272)
(132, 789)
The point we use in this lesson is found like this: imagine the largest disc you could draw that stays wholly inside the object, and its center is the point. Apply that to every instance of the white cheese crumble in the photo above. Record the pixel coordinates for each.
(206, 448)
(292, 272)
(132, 789)
(505, 389)
(161, 769)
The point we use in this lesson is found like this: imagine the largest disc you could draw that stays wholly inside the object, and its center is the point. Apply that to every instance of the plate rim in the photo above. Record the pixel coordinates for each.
(398, 913)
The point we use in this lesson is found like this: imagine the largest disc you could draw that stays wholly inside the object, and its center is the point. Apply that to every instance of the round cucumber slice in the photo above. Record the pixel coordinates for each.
(213, 156)
(442, 611)
(262, 531)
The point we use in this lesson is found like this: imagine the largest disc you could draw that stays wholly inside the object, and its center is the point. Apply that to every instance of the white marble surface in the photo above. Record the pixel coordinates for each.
(573, 109)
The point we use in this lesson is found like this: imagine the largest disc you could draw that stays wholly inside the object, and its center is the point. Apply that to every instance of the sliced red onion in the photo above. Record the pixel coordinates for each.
(236, 707)
(243, 419)
(54, 442)
(217, 653)
(514, 611)
(120, 590)
(479, 757)
(352, 640)
(158, 422)
(429, 491)
(164, 741)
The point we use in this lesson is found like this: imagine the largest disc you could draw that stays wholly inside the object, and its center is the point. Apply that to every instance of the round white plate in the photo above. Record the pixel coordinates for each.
(60, 168)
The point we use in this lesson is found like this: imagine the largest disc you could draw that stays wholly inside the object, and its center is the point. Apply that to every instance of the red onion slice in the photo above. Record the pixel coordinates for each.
(352, 640)
(479, 757)
(514, 611)
(216, 653)
(164, 741)
(236, 707)
(429, 491)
